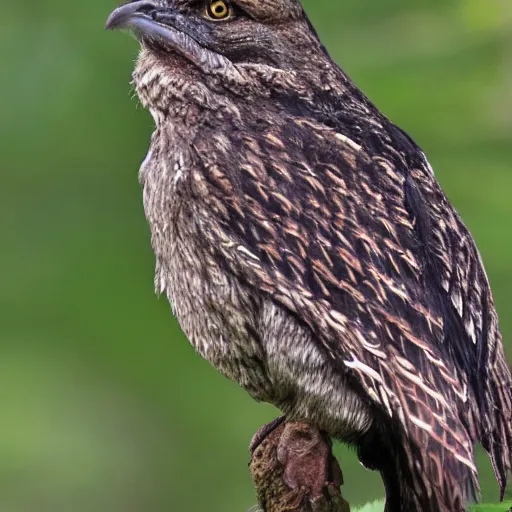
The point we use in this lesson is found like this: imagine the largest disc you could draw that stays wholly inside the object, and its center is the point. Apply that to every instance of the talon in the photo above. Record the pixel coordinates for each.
(263, 432)
(305, 454)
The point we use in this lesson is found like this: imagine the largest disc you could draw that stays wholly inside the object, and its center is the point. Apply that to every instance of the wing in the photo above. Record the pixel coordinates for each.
(323, 226)
(471, 334)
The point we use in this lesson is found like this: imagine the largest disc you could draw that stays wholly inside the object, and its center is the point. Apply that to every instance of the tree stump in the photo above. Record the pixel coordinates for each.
(294, 470)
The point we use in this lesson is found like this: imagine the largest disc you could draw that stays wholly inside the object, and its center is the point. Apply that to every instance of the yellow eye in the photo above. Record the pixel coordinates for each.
(219, 10)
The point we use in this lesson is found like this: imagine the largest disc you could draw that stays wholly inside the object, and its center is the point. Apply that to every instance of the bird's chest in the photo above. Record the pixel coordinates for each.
(212, 308)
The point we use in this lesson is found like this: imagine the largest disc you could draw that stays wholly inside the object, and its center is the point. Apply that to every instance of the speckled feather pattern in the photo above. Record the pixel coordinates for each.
(310, 255)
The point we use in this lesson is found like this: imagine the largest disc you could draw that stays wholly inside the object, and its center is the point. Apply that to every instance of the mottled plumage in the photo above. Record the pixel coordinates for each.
(308, 251)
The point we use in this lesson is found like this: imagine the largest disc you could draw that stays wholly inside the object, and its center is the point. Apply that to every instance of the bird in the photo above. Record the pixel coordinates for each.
(308, 251)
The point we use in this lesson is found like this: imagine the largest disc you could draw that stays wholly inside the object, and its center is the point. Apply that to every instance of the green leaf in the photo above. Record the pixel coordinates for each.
(378, 506)
(497, 507)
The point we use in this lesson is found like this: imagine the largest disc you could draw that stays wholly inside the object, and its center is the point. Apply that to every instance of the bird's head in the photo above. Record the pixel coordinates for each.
(221, 41)
(213, 34)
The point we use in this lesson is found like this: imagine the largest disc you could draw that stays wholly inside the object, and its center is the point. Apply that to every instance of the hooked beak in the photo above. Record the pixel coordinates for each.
(125, 15)
(138, 16)
(146, 20)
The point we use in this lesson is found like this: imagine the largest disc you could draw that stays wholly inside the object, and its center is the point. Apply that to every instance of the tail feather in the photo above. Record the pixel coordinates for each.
(418, 477)
(496, 425)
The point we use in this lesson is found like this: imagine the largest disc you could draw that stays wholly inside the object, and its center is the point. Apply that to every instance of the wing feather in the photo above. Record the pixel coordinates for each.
(471, 333)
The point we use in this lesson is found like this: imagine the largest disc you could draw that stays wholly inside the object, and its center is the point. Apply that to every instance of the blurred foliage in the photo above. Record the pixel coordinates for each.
(105, 406)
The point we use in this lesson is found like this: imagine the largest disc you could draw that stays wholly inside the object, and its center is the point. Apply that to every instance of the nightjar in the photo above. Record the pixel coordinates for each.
(308, 250)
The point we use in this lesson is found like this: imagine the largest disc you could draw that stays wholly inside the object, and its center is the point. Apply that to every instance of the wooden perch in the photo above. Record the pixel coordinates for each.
(294, 470)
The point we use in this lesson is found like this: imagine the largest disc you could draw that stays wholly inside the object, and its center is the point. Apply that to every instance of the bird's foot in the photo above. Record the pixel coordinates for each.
(294, 469)
(263, 432)
(306, 456)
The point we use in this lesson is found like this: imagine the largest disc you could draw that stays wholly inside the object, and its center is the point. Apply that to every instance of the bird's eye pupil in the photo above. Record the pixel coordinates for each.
(219, 10)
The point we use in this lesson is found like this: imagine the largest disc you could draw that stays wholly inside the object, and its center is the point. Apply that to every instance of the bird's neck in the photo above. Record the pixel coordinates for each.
(176, 92)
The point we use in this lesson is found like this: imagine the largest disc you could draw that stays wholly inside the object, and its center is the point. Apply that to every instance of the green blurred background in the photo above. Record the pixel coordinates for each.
(104, 405)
